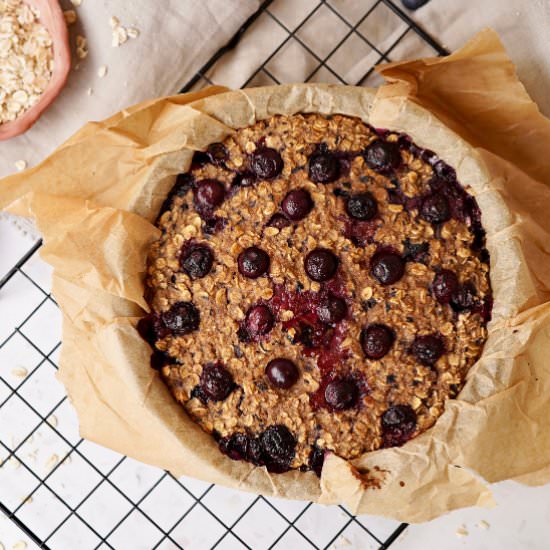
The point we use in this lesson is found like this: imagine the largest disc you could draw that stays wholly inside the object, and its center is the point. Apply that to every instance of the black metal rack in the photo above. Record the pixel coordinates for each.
(404, 29)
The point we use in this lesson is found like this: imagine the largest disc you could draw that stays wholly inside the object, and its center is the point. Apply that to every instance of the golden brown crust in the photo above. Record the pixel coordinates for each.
(224, 296)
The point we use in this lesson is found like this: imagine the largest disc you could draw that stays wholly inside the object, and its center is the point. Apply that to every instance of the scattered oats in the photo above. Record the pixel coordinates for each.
(70, 17)
(21, 544)
(81, 47)
(26, 500)
(102, 71)
(32, 455)
(89, 91)
(76, 3)
(21, 165)
(120, 36)
(26, 58)
(19, 372)
(462, 531)
(52, 420)
(120, 33)
(483, 524)
(14, 462)
(52, 462)
(344, 541)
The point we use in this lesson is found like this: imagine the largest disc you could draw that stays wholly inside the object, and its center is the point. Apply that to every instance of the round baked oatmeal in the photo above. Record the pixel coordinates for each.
(319, 285)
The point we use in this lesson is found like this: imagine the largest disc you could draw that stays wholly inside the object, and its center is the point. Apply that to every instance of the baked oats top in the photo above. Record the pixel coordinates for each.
(319, 285)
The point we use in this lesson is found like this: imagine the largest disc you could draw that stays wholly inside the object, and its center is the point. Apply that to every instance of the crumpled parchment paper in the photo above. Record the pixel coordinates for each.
(95, 199)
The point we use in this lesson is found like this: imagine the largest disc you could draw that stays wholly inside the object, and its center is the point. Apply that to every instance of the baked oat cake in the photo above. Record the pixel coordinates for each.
(319, 285)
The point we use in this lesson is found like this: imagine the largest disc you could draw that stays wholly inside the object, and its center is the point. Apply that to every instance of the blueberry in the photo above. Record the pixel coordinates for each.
(244, 179)
(147, 328)
(444, 172)
(181, 318)
(316, 460)
(435, 209)
(387, 267)
(217, 153)
(341, 394)
(282, 373)
(362, 206)
(259, 320)
(253, 262)
(197, 261)
(266, 163)
(240, 446)
(323, 167)
(209, 194)
(297, 204)
(382, 155)
(376, 340)
(444, 286)
(464, 299)
(428, 349)
(332, 310)
(398, 425)
(321, 264)
(278, 447)
(216, 382)
(279, 221)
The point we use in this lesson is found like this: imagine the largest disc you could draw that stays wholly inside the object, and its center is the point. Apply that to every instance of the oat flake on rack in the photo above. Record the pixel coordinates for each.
(26, 58)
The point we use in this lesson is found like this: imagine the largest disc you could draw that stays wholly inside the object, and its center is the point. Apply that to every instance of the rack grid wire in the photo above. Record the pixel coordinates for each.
(89, 494)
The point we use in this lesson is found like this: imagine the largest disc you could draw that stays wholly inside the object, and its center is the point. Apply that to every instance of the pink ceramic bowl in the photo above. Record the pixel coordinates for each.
(51, 16)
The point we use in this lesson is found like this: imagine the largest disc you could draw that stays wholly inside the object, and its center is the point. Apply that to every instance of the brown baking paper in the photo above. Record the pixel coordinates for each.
(95, 199)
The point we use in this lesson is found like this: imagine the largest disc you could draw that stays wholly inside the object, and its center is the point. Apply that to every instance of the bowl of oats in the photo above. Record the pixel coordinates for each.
(34, 61)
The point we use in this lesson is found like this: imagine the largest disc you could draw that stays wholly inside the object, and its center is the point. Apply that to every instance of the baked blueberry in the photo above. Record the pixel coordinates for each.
(279, 221)
(244, 179)
(321, 264)
(147, 328)
(266, 163)
(362, 206)
(253, 262)
(435, 209)
(278, 447)
(341, 394)
(259, 320)
(282, 373)
(197, 261)
(323, 167)
(444, 286)
(464, 298)
(297, 204)
(216, 382)
(316, 460)
(217, 153)
(181, 318)
(398, 425)
(444, 172)
(240, 446)
(382, 155)
(387, 267)
(377, 340)
(209, 194)
(428, 349)
(332, 310)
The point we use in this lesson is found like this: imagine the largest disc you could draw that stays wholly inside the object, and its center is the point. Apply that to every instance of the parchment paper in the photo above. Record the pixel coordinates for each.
(94, 200)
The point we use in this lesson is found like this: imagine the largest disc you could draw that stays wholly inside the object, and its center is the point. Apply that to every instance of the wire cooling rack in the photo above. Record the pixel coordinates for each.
(66, 493)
